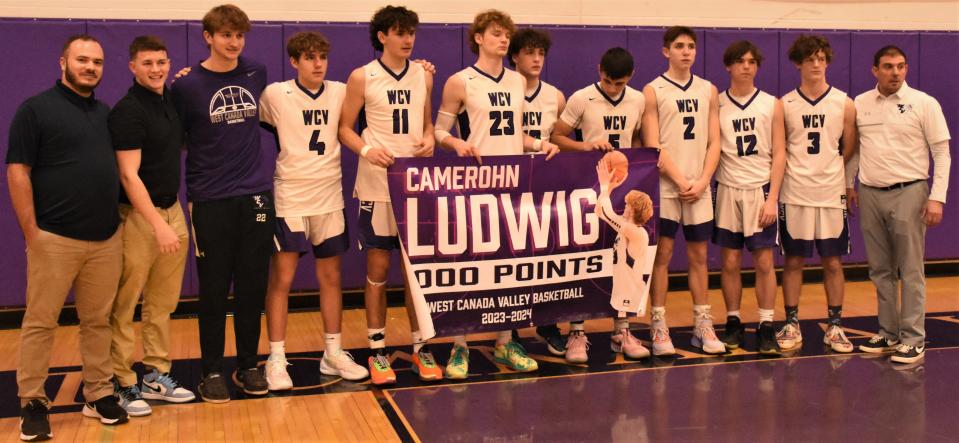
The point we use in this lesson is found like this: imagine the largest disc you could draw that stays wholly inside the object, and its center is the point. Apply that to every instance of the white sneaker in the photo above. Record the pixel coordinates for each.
(277, 379)
(704, 336)
(836, 339)
(659, 332)
(342, 365)
(789, 337)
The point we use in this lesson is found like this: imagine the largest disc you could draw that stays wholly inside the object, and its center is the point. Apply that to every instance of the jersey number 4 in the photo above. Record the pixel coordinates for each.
(502, 123)
(316, 144)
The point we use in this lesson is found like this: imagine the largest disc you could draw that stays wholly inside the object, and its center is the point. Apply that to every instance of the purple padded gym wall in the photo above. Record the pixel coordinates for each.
(571, 65)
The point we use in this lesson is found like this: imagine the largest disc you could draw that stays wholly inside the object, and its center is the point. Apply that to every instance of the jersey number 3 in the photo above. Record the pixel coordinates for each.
(502, 123)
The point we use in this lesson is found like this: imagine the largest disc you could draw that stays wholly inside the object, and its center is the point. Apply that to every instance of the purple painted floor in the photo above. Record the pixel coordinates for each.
(851, 398)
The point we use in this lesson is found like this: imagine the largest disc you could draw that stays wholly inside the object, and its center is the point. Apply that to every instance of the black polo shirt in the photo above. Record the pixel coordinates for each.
(148, 121)
(65, 140)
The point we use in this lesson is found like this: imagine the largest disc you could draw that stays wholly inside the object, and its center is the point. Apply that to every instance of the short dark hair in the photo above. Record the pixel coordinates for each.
(226, 16)
(306, 42)
(807, 45)
(75, 37)
(674, 32)
(739, 50)
(528, 38)
(484, 20)
(889, 50)
(389, 17)
(616, 63)
(146, 43)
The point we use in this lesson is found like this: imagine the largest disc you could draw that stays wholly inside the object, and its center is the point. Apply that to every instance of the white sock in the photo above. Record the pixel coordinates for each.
(418, 341)
(700, 310)
(657, 313)
(577, 326)
(622, 323)
(734, 314)
(278, 350)
(503, 337)
(376, 342)
(766, 315)
(334, 344)
(460, 340)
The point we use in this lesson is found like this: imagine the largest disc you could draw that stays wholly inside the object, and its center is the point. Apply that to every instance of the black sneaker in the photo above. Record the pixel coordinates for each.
(878, 344)
(213, 389)
(34, 424)
(251, 381)
(733, 334)
(555, 342)
(908, 354)
(107, 409)
(766, 339)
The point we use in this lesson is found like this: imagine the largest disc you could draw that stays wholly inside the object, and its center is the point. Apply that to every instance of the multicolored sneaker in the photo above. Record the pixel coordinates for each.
(341, 364)
(458, 367)
(659, 333)
(380, 371)
(513, 356)
(161, 386)
(789, 337)
(704, 336)
(623, 341)
(277, 379)
(576, 346)
(131, 400)
(425, 365)
(836, 339)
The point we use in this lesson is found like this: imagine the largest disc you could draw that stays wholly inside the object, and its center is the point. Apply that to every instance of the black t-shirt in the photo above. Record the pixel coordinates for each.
(65, 140)
(148, 121)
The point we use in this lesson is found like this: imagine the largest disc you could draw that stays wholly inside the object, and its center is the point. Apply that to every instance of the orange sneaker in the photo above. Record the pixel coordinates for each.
(425, 365)
(380, 371)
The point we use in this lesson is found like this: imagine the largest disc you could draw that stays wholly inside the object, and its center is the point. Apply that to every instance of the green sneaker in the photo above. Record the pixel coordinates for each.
(514, 356)
(459, 365)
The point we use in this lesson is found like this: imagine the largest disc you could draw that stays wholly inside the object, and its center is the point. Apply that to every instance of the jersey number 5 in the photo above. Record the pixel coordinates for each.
(316, 144)
(502, 123)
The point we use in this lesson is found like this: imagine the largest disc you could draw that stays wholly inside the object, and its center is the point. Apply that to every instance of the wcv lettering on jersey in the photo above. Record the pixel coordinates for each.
(511, 243)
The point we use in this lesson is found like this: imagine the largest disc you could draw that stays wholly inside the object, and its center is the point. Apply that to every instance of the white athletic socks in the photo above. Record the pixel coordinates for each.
(621, 323)
(577, 326)
(766, 315)
(377, 337)
(503, 337)
(460, 340)
(278, 350)
(657, 313)
(418, 341)
(735, 314)
(700, 311)
(334, 344)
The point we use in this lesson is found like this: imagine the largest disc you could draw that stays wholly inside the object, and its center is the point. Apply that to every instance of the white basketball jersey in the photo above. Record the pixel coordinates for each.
(814, 167)
(600, 117)
(393, 112)
(308, 176)
(491, 117)
(541, 111)
(747, 140)
(683, 126)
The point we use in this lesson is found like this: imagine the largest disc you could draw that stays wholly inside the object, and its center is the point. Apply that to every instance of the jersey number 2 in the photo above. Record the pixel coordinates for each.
(316, 144)
(502, 123)
(690, 123)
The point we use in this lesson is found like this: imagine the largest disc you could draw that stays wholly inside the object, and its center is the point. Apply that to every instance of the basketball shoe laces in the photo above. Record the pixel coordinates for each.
(171, 383)
(426, 357)
(704, 325)
(276, 366)
(661, 332)
(837, 335)
(381, 363)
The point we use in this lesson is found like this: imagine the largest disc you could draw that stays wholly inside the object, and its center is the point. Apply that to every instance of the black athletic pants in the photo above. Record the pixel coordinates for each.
(234, 241)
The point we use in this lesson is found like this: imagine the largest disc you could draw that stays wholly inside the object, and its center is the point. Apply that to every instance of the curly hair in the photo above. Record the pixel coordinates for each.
(807, 45)
(528, 38)
(642, 206)
(389, 17)
(486, 19)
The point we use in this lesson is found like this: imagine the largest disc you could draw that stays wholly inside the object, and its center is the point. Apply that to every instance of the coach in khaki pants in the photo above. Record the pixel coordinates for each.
(63, 183)
(898, 128)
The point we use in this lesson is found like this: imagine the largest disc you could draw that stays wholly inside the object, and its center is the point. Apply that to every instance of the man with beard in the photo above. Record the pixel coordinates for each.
(63, 182)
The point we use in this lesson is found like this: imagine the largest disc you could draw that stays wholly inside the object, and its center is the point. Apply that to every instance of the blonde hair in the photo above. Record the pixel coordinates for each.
(642, 206)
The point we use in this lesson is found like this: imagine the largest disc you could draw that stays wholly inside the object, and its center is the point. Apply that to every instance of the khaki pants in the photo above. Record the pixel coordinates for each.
(159, 277)
(54, 265)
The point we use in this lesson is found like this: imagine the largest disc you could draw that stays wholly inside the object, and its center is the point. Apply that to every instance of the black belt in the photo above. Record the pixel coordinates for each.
(896, 186)
(164, 201)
